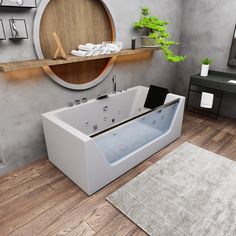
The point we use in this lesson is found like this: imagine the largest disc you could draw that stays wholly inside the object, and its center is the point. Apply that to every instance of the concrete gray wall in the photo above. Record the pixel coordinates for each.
(207, 31)
(25, 95)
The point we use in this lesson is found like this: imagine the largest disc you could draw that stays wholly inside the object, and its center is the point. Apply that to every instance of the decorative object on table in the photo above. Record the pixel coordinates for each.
(60, 49)
(205, 66)
(90, 49)
(18, 3)
(232, 55)
(155, 34)
(18, 29)
(133, 43)
(191, 191)
(2, 31)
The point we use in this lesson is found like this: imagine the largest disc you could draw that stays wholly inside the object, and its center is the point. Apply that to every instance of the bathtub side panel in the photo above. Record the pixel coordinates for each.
(66, 152)
(177, 122)
(101, 172)
(98, 168)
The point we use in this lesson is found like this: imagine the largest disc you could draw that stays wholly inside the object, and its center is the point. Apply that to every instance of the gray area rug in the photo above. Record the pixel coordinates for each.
(189, 192)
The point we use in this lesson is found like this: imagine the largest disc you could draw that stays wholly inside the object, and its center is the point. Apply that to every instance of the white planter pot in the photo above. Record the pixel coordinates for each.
(205, 70)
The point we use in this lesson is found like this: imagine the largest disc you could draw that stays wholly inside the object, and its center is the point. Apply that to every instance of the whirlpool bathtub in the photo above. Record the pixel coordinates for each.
(95, 142)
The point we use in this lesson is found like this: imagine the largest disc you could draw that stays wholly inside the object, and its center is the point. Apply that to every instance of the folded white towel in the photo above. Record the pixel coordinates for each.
(86, 47)
(79, 53)
(207, 100)
(89, 47)
(90, 53)
(96, 53)
(112, 47)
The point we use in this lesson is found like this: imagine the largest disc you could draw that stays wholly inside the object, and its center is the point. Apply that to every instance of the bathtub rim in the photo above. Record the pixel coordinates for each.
(53, 115)
(92, 100)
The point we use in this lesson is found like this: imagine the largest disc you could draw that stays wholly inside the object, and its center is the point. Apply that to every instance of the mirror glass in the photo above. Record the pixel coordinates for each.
(232, 56)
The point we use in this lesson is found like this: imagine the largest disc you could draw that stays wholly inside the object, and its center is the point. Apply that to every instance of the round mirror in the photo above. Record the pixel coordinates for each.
(76, 22)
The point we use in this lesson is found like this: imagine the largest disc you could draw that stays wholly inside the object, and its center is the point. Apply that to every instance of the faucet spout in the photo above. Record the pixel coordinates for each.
(114, 84)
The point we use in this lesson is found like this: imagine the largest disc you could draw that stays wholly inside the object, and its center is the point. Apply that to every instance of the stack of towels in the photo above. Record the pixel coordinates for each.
(90, 49)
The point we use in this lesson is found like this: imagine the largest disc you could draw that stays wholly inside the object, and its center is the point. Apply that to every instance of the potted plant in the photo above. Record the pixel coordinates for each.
(205, 66)
(156, 35)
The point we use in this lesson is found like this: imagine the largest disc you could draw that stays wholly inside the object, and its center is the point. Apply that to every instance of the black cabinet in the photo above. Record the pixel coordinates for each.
(216, 83)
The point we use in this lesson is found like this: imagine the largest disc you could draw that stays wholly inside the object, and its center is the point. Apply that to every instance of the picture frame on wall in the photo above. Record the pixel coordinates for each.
(18, 3)
(2, 31)
(18, 29)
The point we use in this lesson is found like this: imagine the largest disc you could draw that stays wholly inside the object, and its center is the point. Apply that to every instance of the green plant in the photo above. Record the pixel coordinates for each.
(156, 29)
(206, 61)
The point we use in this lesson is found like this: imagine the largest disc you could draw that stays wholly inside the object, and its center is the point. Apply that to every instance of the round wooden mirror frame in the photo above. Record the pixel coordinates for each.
(58, 16)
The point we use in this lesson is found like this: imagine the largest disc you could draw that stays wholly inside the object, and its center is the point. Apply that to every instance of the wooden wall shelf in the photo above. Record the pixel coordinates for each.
(36, 63)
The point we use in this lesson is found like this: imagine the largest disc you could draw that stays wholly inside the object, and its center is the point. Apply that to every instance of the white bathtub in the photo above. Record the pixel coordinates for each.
(96, 142)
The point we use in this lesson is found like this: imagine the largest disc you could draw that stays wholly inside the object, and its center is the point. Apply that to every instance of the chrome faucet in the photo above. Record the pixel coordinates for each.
(114, 84)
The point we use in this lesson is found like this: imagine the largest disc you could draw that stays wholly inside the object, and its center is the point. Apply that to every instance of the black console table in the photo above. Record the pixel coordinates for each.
(215, 83)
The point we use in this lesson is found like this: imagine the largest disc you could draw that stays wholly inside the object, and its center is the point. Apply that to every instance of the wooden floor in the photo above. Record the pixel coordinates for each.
(40, 200)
